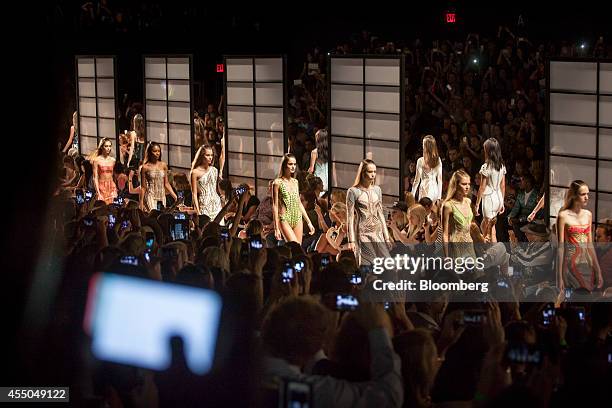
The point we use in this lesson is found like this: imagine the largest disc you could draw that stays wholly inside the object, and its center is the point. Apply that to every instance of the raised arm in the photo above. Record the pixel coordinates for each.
(131, 149)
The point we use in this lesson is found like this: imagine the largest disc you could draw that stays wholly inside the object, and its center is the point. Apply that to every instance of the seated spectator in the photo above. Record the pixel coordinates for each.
(526, 201)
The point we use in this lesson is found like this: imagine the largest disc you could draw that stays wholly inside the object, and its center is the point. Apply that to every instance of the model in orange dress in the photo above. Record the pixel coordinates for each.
(103, 165)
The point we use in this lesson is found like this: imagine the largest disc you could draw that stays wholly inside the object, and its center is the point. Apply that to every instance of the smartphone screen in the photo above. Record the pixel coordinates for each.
(225, 234)
(180, 216)
(79, 197)
(150, 239)
(287, 273)
(88, 195)
(129, 260)
(325, 260)
(524, 354)
(548, 313)
(346, 302)
(179, 230)
(298, 395)
(474, 317)
(131, 321)
(111, 220)
(256, 243)
(356, 279)
(160, 205)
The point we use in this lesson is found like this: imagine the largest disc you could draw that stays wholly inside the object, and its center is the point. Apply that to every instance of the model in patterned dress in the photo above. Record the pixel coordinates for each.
(154, 179)
(204, 177)
(457, 218)
(287, 207)
(367, 231)
(577, 264)
(103, 164)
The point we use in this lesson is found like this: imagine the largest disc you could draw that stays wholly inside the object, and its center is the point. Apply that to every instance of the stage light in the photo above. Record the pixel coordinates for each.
(475, 61)
(583, 46)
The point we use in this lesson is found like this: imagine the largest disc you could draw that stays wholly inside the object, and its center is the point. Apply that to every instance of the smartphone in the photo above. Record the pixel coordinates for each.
(129, 260)
(147, 255)
(287, 273)
(179, 230)
(255, 243)
(124, 224)
(180, 195)
(580, 313)
(159, 206)
(568, 293)
(548, 313)
(474, 317)
(502, 283)
(346, 302)
(298, 266)
(88, 222)
(111, 221)
(325, 260)
(79, 197)
(149, 239)
(524, 354)
(131, 321)
(356, 279)
(180, 216)
(225, 234)
(450, 88)
(88, 195)
(387, 305)
(118, 201)
(298, 394)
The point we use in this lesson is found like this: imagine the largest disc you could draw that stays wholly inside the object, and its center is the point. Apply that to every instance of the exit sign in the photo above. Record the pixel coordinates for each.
(451, 18)
(220, 68)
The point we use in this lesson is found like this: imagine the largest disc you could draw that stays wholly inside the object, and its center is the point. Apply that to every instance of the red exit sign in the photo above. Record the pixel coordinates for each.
(220, 68)
(451, 18)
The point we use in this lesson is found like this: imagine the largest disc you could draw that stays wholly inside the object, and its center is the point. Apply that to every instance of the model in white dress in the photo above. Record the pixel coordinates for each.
(492, 198)
(427, 181)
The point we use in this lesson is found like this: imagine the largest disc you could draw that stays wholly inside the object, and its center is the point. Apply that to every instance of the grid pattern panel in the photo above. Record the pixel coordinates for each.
(168, 108)
(366, 120)
(579, 134)
(256, 115)
(96, 103)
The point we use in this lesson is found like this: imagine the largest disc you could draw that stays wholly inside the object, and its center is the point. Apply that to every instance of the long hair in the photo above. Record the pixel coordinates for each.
(322, 144)
(454, 181)
(198, 128)
(339, 210)
(199, 157)
(493, 153)
(430, 151)
(416, 350)
(363, 166)
(286, 157)
(421, 214)
(572, 193)
(150, 147)
(138, 125)
(94, 155)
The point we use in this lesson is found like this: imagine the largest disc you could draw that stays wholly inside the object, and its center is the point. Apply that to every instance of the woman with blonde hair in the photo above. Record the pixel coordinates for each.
(103, 164)
(577, 264)
(457, 217)
(154, 180)
(428, 178)
(368, 234)
(318, 158)
(287, 207)
(334, 240)
(204, 177)
(415, 233)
